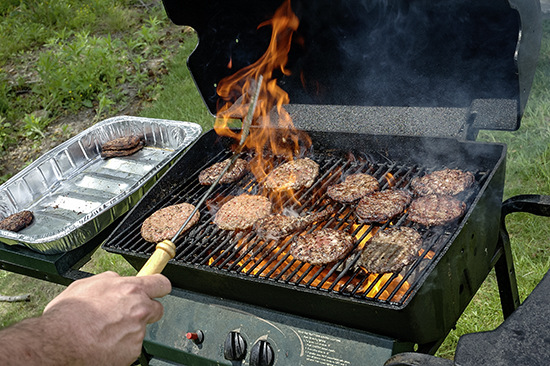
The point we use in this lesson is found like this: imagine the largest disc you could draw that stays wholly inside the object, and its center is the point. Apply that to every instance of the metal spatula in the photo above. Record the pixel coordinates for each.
(166, 249)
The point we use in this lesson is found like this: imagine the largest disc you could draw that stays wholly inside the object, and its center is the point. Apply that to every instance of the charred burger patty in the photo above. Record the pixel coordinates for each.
(382, 206)
(390, 250)
(435, 210)
(241, 212)
(296, 174)
(165, 223)
(280, 226)
(322, 246)
(18, 221)
(210, 174)
(443, 182)
(122, 146)
(353, 187)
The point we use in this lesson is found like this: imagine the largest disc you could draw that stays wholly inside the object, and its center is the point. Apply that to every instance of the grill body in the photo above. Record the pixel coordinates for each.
(439, 291)
(383, 96)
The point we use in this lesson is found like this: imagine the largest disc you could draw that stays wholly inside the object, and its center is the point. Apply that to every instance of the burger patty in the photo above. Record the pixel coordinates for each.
(241, 212)
(322, 246)
(165, 223)
(17, 221)
(122, 146)
(296, 174)
(210, 174)
(443, 182)
(280, 226)
(390, 250)
(353, 187)
(382, 206)
(432, 210)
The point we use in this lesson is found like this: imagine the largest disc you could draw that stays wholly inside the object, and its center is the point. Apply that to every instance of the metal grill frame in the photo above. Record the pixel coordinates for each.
(445, 287)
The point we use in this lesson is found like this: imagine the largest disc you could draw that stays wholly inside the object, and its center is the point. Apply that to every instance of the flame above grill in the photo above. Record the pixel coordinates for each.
(285, 141)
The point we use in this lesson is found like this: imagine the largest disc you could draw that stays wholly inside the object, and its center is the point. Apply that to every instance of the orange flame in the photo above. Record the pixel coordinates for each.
(371, 285)
(277, 136)
(390, 179)
(285, 141)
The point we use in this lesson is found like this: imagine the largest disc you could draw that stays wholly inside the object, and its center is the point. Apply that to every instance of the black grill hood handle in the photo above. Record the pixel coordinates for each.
(531, 203)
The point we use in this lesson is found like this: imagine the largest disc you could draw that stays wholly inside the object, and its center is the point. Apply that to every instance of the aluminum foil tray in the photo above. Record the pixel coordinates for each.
(74, 194)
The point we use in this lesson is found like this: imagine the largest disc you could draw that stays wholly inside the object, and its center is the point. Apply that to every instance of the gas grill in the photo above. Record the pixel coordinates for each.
(235, 265)
(372, 99)
(396, 89)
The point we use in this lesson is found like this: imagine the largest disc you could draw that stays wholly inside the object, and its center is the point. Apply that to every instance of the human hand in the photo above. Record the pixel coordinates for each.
(102, 319)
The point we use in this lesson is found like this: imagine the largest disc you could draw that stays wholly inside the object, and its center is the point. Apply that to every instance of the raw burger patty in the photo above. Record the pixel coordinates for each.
(122, 146)
(296, 174)
(241, 212)
(443, 182)
(322, 246)
(165, 223)
(17, 221)
(382, 206)
(390, 250)
(210, 174)
(280, 226)
(353, 187)
(435, 210)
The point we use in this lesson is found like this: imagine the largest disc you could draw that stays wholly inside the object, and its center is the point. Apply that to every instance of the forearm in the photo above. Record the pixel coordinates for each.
(97, 321)
(35, 341)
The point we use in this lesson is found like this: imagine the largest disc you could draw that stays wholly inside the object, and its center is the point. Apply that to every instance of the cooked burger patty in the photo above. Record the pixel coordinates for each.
(382, 206)
(17, 221)
(443, 182)
(322, 246)
(296, 174)
(280, 226)
(353, 187)
(210, 174)
(435, 210)
(122, 146)
(241, 212)
(390, 250)
(165, 223)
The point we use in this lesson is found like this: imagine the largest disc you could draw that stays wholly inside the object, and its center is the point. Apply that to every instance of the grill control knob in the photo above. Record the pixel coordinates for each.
(197, 337)
(262, 354)
(234, 347)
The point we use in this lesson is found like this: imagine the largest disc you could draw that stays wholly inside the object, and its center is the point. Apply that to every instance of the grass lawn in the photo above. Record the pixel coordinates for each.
(528, 171)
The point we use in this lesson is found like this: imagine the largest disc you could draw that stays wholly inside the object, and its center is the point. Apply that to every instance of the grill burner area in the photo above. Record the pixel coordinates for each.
(243, 253)
(240, 266)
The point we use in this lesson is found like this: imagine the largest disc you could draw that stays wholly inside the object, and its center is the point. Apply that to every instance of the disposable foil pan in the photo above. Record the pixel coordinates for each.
(74, 193)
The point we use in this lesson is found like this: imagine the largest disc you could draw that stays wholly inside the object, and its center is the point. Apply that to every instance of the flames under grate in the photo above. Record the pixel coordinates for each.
(242, 253)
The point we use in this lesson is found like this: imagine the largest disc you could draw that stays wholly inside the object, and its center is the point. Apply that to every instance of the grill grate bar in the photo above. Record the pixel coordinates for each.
(244, 253)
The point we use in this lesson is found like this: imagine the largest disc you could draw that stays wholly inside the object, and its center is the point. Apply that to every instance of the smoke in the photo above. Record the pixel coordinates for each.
(403, 53)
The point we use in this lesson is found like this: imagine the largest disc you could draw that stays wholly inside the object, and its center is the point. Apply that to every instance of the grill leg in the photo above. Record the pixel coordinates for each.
(506, 275)
(504, 267)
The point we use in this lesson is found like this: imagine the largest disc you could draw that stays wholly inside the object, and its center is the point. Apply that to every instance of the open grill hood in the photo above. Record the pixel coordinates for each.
(433, 61)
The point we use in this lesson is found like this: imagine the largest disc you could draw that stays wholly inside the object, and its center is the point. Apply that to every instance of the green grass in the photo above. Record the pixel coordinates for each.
(31, 23)
(59, 57)
(180, 99)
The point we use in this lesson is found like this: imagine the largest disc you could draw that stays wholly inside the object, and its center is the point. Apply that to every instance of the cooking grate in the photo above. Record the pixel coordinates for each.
(242, 253)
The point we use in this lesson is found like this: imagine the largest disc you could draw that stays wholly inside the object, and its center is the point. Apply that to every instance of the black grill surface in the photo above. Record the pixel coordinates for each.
(420, 303)
(243, 253)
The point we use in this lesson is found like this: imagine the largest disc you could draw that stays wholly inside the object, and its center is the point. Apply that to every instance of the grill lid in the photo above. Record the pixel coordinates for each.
(474, 58)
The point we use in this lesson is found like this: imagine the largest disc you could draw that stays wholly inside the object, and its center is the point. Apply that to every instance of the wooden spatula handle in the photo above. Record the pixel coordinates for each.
(164, 251)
